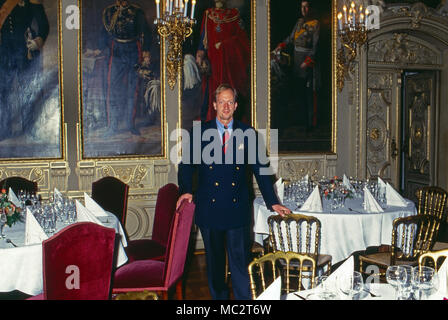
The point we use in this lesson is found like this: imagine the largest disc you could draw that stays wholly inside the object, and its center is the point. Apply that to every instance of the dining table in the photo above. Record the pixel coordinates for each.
(344, 230)
(21, 265)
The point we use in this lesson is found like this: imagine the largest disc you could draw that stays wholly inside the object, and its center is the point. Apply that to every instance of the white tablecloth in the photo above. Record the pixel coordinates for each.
(343, 231)
(21, 266)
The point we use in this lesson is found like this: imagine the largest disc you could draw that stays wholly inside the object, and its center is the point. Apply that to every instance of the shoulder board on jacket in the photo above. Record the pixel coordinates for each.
(36, 1)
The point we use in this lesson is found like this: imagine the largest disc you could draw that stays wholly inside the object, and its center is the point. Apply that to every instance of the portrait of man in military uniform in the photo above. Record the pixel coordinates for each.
(121, 78)
(30, 104)
(300, 60)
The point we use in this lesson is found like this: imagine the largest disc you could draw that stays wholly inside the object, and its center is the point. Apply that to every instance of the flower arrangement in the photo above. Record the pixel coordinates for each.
(8, 210)
(334, 186)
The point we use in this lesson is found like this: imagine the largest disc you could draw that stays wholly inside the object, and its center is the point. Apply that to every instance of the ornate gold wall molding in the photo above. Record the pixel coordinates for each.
(316, 166)
(403, 49)
(48, 175)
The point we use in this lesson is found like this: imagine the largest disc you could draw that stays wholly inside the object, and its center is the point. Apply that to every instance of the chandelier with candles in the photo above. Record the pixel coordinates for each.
(353, 26)
(175, 25)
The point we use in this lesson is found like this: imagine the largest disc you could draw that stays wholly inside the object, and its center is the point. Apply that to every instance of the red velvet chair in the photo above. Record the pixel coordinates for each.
(112, 195)
(18, 183)
(155, 247)
(81, 253)
(160, 276)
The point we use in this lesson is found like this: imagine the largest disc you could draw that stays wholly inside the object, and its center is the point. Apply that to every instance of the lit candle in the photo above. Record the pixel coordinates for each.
(345, 14)
(193, 2)
(340, 20)
(181, 6)
(186, 8)
(361, 19)
(158, 8)
(367, 20)
(354, 17)
(171, 6)
(167, 6)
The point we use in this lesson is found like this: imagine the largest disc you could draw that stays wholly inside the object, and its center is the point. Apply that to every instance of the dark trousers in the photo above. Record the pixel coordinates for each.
(238, 244)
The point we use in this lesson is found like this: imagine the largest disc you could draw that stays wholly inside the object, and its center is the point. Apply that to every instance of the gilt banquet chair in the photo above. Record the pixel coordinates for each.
(298, 233)
(155, 247)
(411, 237)
(290, 266)
(160, 276)
(112, 195)
(78, 263)
(433, 259)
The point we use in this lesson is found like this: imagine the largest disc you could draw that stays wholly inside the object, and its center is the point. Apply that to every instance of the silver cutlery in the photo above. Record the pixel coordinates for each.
(299, 296)
(9, 241)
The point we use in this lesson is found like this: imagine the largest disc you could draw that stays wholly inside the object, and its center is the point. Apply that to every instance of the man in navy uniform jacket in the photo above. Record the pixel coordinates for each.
(222, 199)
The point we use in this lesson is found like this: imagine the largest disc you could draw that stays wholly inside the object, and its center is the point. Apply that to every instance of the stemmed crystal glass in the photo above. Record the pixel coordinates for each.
(350, 283)
(396, 276)
(425, 279)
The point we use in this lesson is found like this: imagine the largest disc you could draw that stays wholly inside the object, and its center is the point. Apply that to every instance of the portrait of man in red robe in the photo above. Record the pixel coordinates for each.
(224, 56)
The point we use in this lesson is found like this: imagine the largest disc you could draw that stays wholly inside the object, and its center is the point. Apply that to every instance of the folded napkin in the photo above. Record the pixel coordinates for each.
(279, 188)
(314, 202)
(393, 198)
(57, 194)
(33, 231)
(346, 268)
(84, 215)
(13, 198)
(305, 178)
(381, 186)
(94, 207)
(272, 292)
(370, 204)
(346, 183)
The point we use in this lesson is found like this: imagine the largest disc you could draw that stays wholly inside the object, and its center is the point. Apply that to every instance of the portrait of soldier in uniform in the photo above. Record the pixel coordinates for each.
(121, 93)
(300, 61)
(30, 105)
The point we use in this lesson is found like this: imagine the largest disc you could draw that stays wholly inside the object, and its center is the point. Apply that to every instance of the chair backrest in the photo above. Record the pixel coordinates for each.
(434, 259)
(432, 201)
(176, 252)
(290, 266)
(295, 232)
(112, 195)
(164, 212)
(78, 262)
(412, 236)
(18, 183)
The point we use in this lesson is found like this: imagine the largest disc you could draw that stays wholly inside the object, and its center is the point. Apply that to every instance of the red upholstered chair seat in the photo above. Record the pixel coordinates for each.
(83, 251)
(156, 275)
(140, 273)
(145, 249)
(155, 247)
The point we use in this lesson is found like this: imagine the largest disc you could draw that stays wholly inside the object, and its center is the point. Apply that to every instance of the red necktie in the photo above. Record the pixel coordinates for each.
(225, 139)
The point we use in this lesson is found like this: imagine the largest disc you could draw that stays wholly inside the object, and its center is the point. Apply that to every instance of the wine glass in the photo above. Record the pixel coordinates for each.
(350, 283)
(425, 279)
(396, 276)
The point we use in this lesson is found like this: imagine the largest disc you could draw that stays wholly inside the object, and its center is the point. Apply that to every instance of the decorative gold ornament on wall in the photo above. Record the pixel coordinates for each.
(175, 26)
(354, 23)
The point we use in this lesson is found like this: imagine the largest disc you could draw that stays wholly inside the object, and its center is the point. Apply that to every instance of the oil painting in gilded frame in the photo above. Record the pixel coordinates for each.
(219, 50)
(301, 85)
(121, 100)
(31, 88)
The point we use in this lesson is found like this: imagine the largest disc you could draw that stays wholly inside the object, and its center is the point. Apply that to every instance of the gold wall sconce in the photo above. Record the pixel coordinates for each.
(354, 23)
(175, 26)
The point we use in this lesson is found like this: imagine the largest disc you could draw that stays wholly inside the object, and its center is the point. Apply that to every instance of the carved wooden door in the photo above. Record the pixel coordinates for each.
(417, 152)
(382, 123)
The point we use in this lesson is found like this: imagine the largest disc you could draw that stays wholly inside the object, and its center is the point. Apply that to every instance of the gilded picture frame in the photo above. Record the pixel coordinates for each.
(233, 35)
(31, 91)
(301, 75)
(121, 90)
